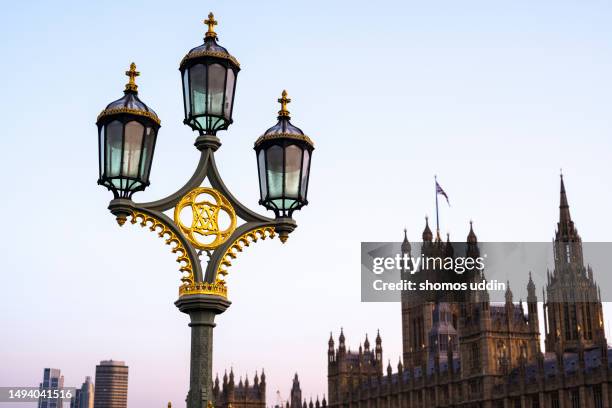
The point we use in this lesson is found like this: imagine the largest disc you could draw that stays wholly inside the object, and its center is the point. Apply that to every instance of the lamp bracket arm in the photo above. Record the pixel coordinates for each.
(241, 210)
(220, 252)
(156, 221)
(195, 181)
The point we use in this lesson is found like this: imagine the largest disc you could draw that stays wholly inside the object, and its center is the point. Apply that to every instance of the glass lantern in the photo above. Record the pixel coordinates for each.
(284, 154)
(127, 132)
(209, 81)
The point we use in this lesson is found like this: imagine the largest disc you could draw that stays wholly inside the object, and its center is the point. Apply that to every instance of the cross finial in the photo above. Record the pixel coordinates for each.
(132, 74)
(283, 100)
(211, 23)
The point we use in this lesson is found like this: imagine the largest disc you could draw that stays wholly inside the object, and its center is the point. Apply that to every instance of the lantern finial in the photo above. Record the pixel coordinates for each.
(283, 100)
(211, 23)
(132, 74)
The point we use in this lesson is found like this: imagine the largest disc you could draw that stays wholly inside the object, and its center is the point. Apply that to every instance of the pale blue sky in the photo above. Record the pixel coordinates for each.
(493, 96)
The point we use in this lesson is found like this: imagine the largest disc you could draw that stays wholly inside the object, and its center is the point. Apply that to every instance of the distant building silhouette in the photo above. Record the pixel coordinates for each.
(84, 396)
(470, 353)
(296, 401)
(111, 388)
(52, 380)
(243, 395)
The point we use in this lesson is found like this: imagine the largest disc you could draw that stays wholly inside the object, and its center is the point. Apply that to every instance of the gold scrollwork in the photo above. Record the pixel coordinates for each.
(237, 246)
(205, 217)
(117, 111)
(204, 288)
(163, 231)
(207, 53)
(293, 136)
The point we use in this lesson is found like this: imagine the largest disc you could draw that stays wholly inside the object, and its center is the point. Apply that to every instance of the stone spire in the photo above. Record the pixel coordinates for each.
(531, 290)
(471, 238)
(406, 244)
(565, 228)
(508, 294)
(449, 250)
(472, 250)
(564, 212)
(378, 349)
(427, 235)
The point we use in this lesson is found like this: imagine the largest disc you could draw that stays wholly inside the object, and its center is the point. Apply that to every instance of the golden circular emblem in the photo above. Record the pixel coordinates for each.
(206, 217)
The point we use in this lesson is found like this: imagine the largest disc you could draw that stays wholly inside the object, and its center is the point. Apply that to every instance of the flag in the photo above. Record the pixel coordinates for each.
(439, 190)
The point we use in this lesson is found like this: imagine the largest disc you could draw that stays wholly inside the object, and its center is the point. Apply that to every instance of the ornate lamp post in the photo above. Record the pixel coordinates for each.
(202, 219)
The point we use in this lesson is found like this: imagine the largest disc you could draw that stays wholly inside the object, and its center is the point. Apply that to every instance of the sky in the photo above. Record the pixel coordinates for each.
(493, 97)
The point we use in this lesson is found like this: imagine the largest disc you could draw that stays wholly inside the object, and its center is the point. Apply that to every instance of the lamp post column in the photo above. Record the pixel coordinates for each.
(202, 310)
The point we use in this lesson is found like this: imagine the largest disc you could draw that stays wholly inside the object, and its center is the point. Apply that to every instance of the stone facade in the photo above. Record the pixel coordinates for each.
(467, 352)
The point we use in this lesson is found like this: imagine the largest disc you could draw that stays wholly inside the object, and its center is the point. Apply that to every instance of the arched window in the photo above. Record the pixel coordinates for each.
(502, 355)
(523, 350)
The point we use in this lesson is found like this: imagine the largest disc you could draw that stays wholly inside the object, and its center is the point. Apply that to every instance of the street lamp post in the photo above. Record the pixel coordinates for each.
(203, 219)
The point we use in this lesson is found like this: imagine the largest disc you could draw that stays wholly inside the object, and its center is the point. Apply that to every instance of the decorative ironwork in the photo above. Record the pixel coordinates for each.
(237, 246)
(132, 74)
(293, 136)
(283, 100)
(116, 111)
(211, 23)
(156, 225)
(204, 288)
(205, 217)
(207, 53)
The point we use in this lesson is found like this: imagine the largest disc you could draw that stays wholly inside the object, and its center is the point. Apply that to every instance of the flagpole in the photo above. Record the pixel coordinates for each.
(437, 217)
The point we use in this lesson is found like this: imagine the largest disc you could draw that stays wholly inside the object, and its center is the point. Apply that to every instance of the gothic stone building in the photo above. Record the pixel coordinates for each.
(245, 395)
(242, 395)
(471, 353)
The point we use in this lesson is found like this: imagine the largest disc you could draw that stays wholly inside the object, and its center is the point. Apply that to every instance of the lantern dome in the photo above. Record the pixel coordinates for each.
(127, 132)
(129, 102)
(283, 158)
(210, 48)
(284, 128)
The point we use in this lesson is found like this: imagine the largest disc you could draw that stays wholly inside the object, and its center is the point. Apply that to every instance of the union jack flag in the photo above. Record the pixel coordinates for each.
(439, 190)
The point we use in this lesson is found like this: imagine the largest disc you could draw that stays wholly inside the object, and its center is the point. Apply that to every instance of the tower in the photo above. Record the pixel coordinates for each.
(84, 396)
(52, 380)
(418, 307)
(573, 307)
(111, 385)
(296, 393)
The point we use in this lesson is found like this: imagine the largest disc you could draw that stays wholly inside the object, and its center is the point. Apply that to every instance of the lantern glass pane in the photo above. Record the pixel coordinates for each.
(216, 86)
(134, 133)
(229, 94)
(305, 172)
(101, 150)
(274, 170)
(147, 152)
(263, 185)
(186, 95)
(293, 165)
(114, 144)
(198, 89)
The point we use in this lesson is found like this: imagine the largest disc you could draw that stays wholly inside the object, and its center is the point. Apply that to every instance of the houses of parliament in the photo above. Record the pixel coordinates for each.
(464, 351)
